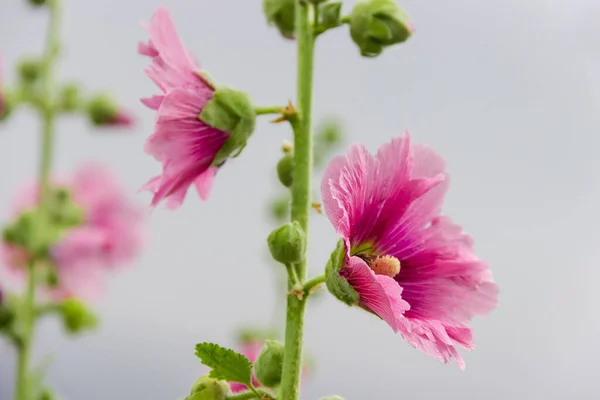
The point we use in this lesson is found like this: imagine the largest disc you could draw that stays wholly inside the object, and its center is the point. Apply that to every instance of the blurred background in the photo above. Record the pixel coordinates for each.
(507, 91)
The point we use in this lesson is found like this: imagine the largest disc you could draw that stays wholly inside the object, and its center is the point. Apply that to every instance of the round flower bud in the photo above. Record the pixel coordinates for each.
(102, 110)
(285, 170)
(230, 111)
(282, 14)
(376, 24)
(76, 316)
(30, 69)
(70, 97)
(206, 388)
(288, 243)
(38, 2)
(269, 364)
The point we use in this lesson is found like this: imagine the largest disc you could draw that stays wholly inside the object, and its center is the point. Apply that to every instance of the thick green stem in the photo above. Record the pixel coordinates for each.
(47, 112)
(294, 330)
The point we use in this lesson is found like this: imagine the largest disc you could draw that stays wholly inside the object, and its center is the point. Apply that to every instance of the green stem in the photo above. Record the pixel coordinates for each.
(294, 330)
(24, 350)
(28, 311)
(268, 110)
(52, 48)
(257, 394)
(314, 282)
(293, 277)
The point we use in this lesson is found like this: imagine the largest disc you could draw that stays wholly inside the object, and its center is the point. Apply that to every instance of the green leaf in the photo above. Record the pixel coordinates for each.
(226, 364)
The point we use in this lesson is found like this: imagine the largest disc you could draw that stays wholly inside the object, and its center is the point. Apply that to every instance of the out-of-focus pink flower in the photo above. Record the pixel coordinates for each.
(109, 237)
(251, 350)
(185, 145)
(411, 266)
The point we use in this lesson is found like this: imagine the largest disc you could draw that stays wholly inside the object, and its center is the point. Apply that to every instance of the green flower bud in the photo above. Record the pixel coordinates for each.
(231, 111)
(376, 24)
(332, 398)
(33, 231)
(63, 211)
(336, 284)
(8, 101)
(285, 170)
(7, 313)
(30, 69)
(280, 208)
(206, 388)
(38, 2)
(70, 97)
(269, 364)
(330, 15)
(47, 394)
(288, 243)
(102, 109)
(76, 316)
(282, 14)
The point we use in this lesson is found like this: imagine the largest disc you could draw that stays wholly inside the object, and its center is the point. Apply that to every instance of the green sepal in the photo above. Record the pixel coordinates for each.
(207, 388)
(330, 15)
(269, 364)
(231, 111)
(282, 14)
(337, 285)
(376, 24)
(226, 364)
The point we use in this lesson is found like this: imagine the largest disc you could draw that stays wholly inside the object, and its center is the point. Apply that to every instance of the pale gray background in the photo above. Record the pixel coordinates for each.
(507, 90)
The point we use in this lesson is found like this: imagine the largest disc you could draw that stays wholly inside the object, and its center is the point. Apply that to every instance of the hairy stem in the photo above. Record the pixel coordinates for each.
(47, 111)
(294, 330)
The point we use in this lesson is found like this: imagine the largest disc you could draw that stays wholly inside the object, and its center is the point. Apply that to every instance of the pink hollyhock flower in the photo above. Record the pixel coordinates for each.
(409, 265)
(250, 349)
(109, 236)
(185, 145)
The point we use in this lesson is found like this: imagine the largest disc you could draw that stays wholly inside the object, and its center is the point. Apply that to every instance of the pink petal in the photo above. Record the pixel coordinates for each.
(204, 182)
(381, 296)
(165, 40)
(153, 102)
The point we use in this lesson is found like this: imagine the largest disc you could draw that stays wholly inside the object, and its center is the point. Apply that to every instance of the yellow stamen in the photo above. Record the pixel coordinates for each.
(385, 265)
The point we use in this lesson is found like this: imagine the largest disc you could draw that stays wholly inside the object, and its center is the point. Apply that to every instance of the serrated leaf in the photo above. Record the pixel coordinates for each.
(226, 364)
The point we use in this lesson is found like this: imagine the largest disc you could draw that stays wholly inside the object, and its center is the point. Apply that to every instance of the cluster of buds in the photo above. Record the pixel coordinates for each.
(101, 109)
(374, 24)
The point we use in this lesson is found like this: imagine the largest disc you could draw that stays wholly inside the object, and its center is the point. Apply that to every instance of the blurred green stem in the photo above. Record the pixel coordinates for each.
(28, 316)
